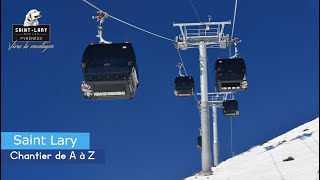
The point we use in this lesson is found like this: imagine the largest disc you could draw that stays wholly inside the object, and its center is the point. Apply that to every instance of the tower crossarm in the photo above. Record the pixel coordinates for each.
(211, 33)
(217, 98)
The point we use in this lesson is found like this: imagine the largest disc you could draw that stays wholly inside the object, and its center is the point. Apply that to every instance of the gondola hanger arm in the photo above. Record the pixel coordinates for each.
(100, 18)
(124, 22)
(179, 66)
(235, 41)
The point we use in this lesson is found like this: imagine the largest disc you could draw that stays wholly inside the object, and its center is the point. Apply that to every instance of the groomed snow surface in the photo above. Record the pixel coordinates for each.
(266, 162)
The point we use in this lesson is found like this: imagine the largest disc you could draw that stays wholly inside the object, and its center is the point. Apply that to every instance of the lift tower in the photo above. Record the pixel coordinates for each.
(203, 35)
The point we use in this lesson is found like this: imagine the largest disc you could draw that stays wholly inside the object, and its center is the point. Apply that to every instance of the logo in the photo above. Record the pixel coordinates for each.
(31, 31)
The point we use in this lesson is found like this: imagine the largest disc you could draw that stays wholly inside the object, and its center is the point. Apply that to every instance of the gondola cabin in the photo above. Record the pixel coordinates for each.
(110, 71)
(230, 75)
(199, 142)
(184, 86)
(230, 108)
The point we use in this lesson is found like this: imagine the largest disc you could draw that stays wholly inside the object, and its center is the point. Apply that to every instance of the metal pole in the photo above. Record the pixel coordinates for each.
(204, 109)
(215, 136)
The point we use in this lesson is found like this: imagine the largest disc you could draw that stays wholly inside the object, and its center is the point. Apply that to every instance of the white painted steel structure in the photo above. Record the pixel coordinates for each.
(205, 35)
(201, 35)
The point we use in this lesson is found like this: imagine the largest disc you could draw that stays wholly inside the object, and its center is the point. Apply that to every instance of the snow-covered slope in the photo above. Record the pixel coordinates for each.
(266, 162)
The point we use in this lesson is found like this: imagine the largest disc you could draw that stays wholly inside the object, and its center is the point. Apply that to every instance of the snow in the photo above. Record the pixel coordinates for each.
(265, 162)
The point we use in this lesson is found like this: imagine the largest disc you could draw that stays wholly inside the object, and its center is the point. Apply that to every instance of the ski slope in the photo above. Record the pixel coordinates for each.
(265, 162)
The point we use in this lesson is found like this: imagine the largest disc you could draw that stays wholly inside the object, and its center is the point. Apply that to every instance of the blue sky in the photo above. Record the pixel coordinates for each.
(154, 135)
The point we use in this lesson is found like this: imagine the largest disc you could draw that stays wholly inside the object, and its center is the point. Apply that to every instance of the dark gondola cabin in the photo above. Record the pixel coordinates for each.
(230, 74)
(110, 71)
(199, 142)
(230, 108)
(184, 86)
